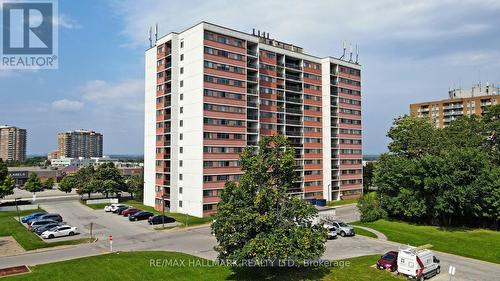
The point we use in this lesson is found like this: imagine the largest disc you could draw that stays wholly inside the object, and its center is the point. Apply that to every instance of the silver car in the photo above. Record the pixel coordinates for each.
(330, 230)
(342, 228)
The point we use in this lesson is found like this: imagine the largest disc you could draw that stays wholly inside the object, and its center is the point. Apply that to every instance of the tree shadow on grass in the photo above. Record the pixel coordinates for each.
(279, 273)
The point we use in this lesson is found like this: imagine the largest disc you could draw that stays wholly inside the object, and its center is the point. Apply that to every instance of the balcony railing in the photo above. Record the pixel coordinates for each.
(293, 77)
(292, 65)
(292, 88)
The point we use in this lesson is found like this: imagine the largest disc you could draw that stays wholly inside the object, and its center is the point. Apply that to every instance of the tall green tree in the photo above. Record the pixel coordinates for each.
(135, 185)
(491, 120)
(111, 181)
(413, 137)
(257, 219)
(33, 184)
(48, 183)
(68, 183)
(368, 176)
(448, 178)
(7, 183)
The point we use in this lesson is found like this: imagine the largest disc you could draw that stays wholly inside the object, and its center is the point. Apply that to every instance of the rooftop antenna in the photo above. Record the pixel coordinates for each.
(344, 48)
(253, 31)
(156, 33)
(350, 52)
(357, 54)
(150, 40)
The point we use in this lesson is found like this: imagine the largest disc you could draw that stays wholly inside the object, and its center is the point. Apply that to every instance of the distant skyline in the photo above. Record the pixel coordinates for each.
(410, 51)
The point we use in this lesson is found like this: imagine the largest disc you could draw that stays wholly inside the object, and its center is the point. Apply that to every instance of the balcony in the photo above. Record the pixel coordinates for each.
(253, 91)
(294, 88)
(293, 77)
(252, 65)
(294, 110)
(292, 99)
(293, 65)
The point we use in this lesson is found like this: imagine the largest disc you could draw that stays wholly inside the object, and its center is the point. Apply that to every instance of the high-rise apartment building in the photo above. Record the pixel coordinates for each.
(79, 143)
(211, 91)
(460, 102)
(12, 143)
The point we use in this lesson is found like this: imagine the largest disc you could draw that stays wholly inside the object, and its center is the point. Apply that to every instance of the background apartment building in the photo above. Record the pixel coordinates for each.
(460, 102)
(79, 143)
(212, 91)
(12, 143)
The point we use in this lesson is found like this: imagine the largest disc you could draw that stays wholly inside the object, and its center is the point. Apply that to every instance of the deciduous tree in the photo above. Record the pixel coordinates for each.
(257, 219)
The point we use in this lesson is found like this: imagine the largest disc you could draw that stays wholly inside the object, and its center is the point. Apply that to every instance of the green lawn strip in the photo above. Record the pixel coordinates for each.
(182, 218)
(342, 202)
(99, 206)
(479, 244)
(27, 239)
(178, 266)
(364, 232)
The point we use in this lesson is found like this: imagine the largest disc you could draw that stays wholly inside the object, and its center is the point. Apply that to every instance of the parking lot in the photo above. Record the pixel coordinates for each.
(103, 223)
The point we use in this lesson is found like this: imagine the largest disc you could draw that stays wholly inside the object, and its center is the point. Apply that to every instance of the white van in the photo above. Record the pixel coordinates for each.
(417, 263)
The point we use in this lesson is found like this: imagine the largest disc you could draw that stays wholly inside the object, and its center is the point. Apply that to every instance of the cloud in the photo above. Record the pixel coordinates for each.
(123, 95)
(67, 105)
(67, 22)
(300, 20)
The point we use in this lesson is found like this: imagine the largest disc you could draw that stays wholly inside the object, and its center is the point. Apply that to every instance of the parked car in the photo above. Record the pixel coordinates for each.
(130, 211)
(115, 207)
(342, 228)
(30, 217)
(388, 261)
(38, 223)
(59, 231)
(54, 217)
(331, 231)
(120, 209)
(418, 264)
(107, 208)
(142, 215)
(159, 219)
(41, 228)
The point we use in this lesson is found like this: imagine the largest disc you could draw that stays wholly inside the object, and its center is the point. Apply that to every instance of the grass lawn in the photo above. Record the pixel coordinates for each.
(342, 202)
(137, 266)
(360, 231)
(182, 218)
(99, 206)
(27, 239)
(479, 244)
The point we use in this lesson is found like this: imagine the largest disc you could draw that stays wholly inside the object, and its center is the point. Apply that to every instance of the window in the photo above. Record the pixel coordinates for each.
(180, 190)
(182, 83)
(182, 57)
(181, 149)
(180, 136)
(221, 53)
(181, 109)
(180, 163)
(180, 176)
(181, 123)
(220, 94)
(181, 96)
(182, 44)
(182, 70)
(180, 203)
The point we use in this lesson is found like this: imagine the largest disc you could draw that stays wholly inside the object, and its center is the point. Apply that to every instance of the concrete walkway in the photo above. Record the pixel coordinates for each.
(379, 234)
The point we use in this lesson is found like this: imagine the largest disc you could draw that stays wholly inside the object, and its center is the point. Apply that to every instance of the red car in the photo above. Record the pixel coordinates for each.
(388, 261)
(130, 211)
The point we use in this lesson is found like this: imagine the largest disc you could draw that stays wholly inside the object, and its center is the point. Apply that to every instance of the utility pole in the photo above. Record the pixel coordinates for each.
(17, 209)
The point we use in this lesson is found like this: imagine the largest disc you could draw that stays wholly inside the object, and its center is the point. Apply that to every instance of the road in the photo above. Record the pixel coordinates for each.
(199, 242)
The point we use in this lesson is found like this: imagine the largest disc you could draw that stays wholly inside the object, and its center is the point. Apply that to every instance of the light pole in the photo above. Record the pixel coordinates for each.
(163, 211)
(17, 209)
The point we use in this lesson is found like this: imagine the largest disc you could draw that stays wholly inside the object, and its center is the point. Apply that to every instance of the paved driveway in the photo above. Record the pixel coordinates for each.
(104, 224)
(198, 241)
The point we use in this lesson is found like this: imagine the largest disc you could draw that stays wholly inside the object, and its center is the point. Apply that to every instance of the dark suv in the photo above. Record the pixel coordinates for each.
(54, 217)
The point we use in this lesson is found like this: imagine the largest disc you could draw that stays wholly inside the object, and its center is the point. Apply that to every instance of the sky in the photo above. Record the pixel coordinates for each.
(410, 51)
